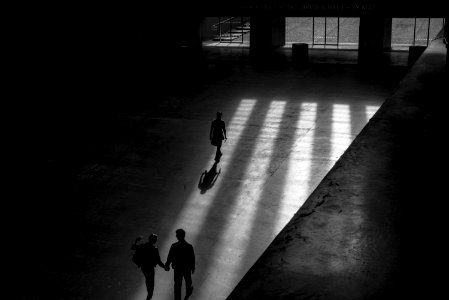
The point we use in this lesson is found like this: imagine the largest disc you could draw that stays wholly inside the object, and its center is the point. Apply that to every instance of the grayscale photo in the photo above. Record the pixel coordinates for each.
(236, 150)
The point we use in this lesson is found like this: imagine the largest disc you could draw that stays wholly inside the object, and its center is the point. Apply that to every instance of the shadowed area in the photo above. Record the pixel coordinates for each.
(137, 172)
(365, 232)
(114, 116)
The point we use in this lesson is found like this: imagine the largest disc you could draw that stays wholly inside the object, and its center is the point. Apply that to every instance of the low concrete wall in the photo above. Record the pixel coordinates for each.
(373, 228)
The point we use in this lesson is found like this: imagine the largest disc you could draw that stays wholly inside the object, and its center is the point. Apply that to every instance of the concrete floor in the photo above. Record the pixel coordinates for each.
(373, 226)
(286, 129)
(237, 53)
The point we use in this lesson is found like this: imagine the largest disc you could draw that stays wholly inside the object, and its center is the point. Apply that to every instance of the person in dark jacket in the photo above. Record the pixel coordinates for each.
(182, 258)
(147, 257)
(217, 134)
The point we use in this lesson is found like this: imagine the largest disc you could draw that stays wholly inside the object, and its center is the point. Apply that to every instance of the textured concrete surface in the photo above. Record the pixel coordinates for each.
(373, 228)
(108, 178)
(238, 53)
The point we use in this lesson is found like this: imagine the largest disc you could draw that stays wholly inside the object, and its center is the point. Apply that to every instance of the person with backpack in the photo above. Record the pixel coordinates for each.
(146, 257)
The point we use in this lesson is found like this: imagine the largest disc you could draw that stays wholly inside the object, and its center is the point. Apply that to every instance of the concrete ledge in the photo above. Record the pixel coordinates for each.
(373, 228)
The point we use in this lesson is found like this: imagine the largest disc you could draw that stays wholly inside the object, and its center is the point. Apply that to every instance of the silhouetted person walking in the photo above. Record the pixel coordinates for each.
(146, 257)
(182, 258)
(217, 134)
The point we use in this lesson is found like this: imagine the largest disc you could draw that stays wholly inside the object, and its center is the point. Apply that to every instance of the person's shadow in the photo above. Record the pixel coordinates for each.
(208, 179)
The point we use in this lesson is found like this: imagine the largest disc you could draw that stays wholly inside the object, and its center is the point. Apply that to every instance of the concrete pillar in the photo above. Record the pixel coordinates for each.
(278, 31)
(177, 48)
(188, 32)
(388, 26)
(186, 35)
(446, 36)
(267, 33)
(374, 38)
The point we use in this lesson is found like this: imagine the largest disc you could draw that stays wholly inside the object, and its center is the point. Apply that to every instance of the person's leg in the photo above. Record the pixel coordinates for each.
(189, 287)
(178, 284)
(219, 147)
(149, 280)
(218, 153)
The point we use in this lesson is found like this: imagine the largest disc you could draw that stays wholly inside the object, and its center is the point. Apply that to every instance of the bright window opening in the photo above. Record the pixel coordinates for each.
(408, 32)
(226, 31)
(323, 32)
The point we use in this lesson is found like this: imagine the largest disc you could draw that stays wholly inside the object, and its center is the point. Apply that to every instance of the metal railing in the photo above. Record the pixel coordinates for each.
(231, 29)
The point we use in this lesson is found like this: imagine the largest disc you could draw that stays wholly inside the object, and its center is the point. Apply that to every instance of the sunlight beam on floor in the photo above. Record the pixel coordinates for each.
(232, 243)
(194, 214)
(297, 181)
(370, 110)
(197, 204)
(341, 131)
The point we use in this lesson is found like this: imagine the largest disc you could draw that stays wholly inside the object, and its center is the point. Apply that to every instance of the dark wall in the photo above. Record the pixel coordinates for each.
(93, 62)
(103, 51)
(343, 8)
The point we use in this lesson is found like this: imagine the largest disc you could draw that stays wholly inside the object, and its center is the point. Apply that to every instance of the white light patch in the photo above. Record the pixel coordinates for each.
(297, 181)
(193, 216)
(232, 244)
(198, 205)
(370, 110)
(341, 131)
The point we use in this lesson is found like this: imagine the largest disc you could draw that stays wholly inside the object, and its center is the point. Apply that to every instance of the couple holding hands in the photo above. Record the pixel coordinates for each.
(181, 257)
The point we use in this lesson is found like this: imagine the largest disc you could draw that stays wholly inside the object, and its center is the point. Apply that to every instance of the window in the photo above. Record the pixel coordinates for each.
(324, 32)
(414, 31)
(226, 31)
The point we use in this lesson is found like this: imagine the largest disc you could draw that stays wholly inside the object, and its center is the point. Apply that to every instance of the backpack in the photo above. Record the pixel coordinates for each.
(138, 257)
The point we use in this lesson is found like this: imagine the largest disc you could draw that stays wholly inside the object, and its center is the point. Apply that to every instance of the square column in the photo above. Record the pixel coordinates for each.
(446, 37)
(267, 33)
(374, 38)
